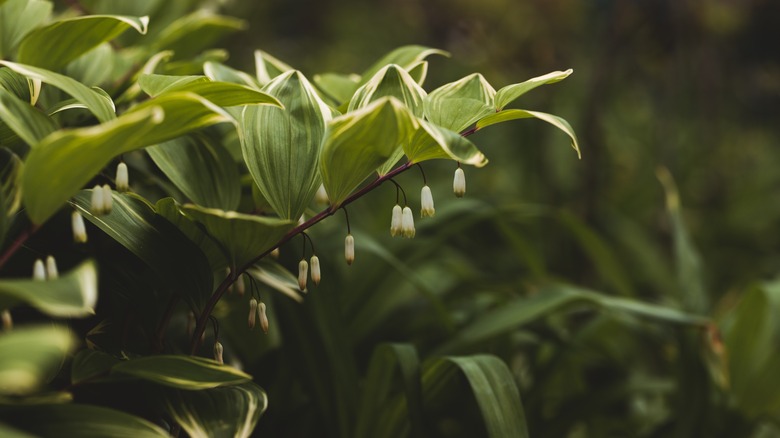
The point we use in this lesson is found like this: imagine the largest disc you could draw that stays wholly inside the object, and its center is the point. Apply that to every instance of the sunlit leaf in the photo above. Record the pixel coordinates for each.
(391, 80)
(507, 94)
(70, 295)
(30, 355)
(27, 122)
(406, 56)
(219, 93)
(430, 142)
(97, 103)
(96, 67)
(55, 45)
(201, 168)
(182, 372)
(458, 105)
(220, 72)
(514, 114)
(189, 35)
(268, 67)
(17, 18)
(339, 87)
(230, 411)
(244, 236)
(281, 147)
(178, 262)
(357, 143)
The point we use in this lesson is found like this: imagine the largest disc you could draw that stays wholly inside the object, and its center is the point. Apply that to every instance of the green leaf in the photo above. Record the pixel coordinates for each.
(458, 105)
(222, 73)
(30, 355)
(518, 312)
(171, 211)
(244, 236)
(9, 432)
(407, 57)
(149, 68)
(419, 72)
(82, 420)
(339, 87)
(219, 93)
(27, 122)
(391, 80)
(191, 34)
(89, 364)
(219, 412)
(491, 384)
(276, 277)
(15, 83)
(507, 94)
(71, 295)
(201, 168)
(182, 372)
(10, 195)
(55, 45)
(357, 143)
(98, 66)
(64, 161)
(17, 18)
(514, 114)
(430, 142)
(173, 257)
(97, 103)
(281, 148)
(268, 67)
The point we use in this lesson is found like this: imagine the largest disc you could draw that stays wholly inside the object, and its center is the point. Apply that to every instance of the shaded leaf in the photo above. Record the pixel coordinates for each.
(82, 420)
(53, 46)
(514, 114)
(507, 94)
(191, 34)
(281, 148)
(201, 168)
(170, 210)
(27, 122)
(71, 295)
(182, 372)
(231, 411)
(10, 195)
(17, 18)
(339, 87)
(88, 364)
(357, 143)
(30, 355)
(178, 262)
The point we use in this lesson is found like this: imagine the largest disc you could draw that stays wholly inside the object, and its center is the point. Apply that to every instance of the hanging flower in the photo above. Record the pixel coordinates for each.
(303, 271)
(97, 204)
(51, 268)
(79, 229)
(108, 199)
(315, 270)
(39, 270)
(407, 223)
(459, 183)
(426, 199)
(252, 312)
(218, 350)
(122, 178)
(395, 222)
(263, 317)
(349, 249)
(240, 285)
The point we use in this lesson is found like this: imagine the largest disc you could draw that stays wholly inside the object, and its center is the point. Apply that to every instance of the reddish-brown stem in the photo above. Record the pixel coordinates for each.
(17, 243)
(200, 327)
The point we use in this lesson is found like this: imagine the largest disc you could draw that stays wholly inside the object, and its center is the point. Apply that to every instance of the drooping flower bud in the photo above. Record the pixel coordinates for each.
(459, 183)
(108, 199)
(122, 178)
(252, 312)
(240, 285)
(8, 321)
(218, 350)
(315, 270)
(51, 269)
(321, 197)
(303, 272)
(263, 317)
(275, 253)
(395, 222)
(39, 270)
(97, 204)
(79, 229)
(426, 201)
(407, 223)
(349, 249)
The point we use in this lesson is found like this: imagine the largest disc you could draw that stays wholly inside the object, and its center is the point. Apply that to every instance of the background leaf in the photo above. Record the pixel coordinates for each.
(189, 35)
(71, 295)
(30, 355)
(181, 372)
(82, 420)
(17, 18)
(514, 114)
(27, 122)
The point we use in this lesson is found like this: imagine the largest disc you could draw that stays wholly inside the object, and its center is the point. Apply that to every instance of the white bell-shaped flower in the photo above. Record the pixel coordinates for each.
(252, 313)
(349, 249)
(79, 229)
(426, 201)
(218, 350)
(263, 317)
(108, 199)
(407, 223)
(97, 204)
(459, 183)
(52, 273)
(122, 178)
(39, 270)
(8, 321)
(303, 273)
(395, 222)
(316, 275)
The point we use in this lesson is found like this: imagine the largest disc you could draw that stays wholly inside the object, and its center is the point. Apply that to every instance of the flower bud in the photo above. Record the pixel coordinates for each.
(97, 204)
(426, 201)
(108, 199)
(303, 271)
(275, 253)
(122, 178)
(79, 229)
(39, 270)
(218, 350)
(459, 183)
(263, 317)
(349, 249)
(321, 197)
(315, 270)
(252, 312)
(8, 322)
(407, 223)
(51, 269)
(240, 285)
(395, 222)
